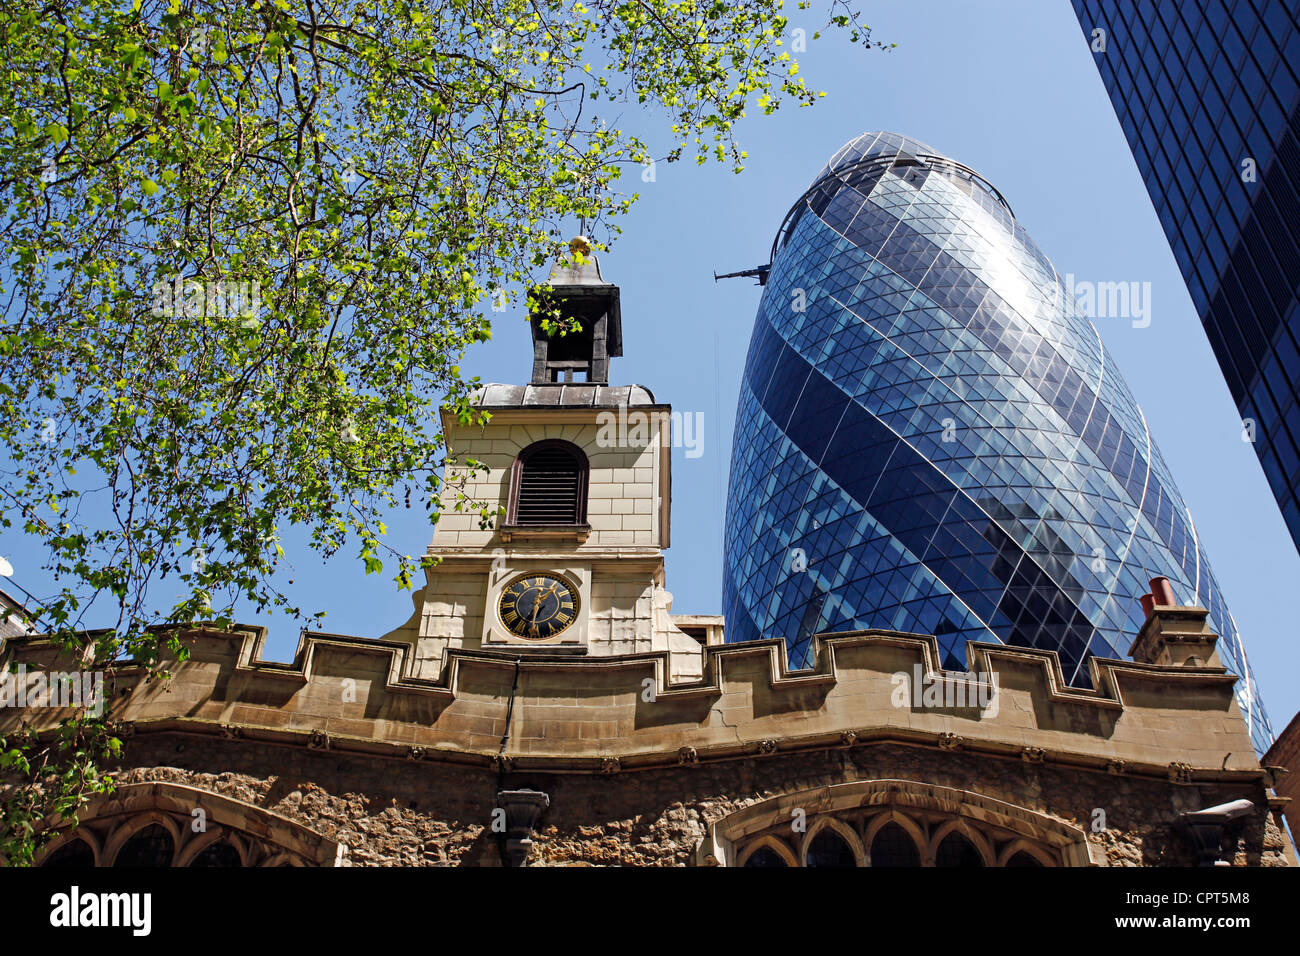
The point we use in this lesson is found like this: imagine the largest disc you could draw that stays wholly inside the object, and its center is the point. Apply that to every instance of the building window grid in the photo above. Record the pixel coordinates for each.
(1257, 42)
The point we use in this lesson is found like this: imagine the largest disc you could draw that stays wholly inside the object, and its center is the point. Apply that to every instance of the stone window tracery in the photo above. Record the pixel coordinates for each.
(893, 824)
(890, 839)
(154, 825)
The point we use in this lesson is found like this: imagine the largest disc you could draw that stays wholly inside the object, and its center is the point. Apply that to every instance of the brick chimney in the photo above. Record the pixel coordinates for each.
(1174, 635)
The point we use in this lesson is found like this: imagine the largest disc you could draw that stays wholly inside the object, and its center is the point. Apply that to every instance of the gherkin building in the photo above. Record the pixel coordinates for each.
(930, 436)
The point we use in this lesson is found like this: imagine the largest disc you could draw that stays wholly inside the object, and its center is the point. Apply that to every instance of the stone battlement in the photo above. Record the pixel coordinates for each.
(622, 713)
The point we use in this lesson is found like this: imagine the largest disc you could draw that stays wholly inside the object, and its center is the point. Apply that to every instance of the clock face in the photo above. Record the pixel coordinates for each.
(538, 606)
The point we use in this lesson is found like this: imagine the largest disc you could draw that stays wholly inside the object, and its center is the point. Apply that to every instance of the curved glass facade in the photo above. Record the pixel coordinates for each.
(931, 439)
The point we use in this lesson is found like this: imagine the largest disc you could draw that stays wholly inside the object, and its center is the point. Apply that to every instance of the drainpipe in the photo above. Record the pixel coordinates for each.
(505, 736)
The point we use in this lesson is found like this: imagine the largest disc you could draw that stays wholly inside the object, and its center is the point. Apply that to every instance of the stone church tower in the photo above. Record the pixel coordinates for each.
(578, 474)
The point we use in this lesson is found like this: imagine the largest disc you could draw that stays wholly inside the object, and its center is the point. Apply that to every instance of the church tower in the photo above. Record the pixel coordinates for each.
(579, 472)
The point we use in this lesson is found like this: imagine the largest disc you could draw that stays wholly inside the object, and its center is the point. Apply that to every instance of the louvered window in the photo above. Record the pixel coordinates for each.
(550, 485)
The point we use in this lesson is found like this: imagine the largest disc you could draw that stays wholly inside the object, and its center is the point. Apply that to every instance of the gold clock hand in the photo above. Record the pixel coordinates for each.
(551, 591)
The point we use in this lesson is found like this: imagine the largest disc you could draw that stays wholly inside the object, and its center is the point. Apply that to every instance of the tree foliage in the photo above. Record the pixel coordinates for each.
(246, 245)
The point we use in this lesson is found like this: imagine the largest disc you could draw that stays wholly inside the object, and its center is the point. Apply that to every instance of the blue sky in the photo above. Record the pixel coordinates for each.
(1007, 88)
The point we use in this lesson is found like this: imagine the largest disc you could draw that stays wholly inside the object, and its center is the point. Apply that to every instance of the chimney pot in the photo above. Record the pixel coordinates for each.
(1161, 591)
(1148, 604)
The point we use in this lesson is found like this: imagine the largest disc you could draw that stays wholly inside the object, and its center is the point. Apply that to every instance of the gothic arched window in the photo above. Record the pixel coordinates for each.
(548, 485)
(893, 847)
(152, 846)
(829, 849)
(218, 854)
(74, 853)
(956, 850)
(764, 856)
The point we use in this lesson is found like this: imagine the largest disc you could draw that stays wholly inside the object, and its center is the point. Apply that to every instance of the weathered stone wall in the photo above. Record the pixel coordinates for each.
(418, 813)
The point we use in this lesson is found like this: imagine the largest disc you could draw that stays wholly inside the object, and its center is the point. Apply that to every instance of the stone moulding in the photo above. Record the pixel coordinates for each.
(572, 714)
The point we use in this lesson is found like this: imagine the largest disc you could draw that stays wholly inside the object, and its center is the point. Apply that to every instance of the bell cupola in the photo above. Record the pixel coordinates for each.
(580, 295)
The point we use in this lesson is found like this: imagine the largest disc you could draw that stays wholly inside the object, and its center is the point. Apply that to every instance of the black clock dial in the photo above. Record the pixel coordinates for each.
(538, 606)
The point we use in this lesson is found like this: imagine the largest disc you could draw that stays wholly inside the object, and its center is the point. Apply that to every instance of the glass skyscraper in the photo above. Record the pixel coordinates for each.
(1208, 94)
(930, 438)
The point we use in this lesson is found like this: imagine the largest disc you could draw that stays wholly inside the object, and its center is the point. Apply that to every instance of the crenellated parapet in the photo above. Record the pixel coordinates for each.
(622, 713)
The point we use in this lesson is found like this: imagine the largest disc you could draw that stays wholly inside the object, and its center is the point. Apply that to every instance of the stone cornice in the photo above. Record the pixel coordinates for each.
(634, 560)
(553, 415)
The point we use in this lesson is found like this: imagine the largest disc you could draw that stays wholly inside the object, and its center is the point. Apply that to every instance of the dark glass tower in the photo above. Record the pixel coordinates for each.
(931, 439)
(1208, 94)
